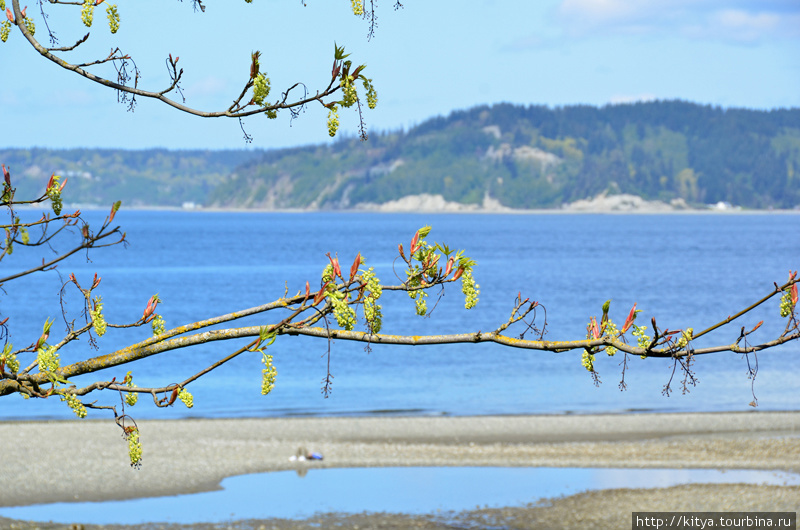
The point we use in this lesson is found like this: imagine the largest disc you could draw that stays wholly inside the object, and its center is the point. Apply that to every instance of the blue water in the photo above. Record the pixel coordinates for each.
(287, 494)
(686, 270)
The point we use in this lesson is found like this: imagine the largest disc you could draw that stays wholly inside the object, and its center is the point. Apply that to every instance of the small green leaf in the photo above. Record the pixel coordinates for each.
(339, 52)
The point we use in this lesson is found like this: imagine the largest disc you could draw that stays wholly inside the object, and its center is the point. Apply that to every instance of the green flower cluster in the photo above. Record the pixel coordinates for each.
(610, 329)
(420, 302)
(75, 404)
(327, 273)
(87, 13)
(54, 193)
(470, 289)
(98, 321)
(25, 236)
(2, 5)
(642, 339)
(113, 17)
(31, 27)
(372, 310)
(48, 359)
(333, 121)
(134, 448)
(186, 397)
(131, 397)
(372, 96)
(261, 88)
(268, 375)
(158, 326)
(358, 7)
(786, 304)
(9, 359)
(345, 315)
(686, 336)
(5, 30)
(349, 92)
(587, 360)
(415, 273)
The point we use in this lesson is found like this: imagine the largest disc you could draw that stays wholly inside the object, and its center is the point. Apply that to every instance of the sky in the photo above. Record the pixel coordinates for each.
(426, 59)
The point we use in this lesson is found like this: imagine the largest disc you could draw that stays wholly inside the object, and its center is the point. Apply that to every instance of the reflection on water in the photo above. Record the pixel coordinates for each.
(289, 494)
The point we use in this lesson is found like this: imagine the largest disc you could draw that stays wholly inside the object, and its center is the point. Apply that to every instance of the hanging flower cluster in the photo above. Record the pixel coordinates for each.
(98, 321)
(131, 397)
(75, 404)
(87, 13)
(134, 446)
(333, 121)
(423, 270)
(186, 398)
(268, 375)
(347, 75)
(54, 189)
(372, 292)
(789, 300)
(113, 17)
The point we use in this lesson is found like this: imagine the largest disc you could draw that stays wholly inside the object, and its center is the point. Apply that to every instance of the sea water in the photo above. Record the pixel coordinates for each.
(686, 270)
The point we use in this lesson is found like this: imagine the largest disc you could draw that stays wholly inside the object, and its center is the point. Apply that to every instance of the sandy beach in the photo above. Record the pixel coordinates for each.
(87, 460)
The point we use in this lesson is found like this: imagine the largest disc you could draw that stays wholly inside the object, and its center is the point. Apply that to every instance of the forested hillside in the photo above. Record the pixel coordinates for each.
(523, 157)
(151, 177)
(533, 157)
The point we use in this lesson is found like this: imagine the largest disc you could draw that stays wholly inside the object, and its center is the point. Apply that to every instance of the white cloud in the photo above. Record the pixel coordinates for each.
(625, 98)
(744, 26)
(597, 10)
(725, 20)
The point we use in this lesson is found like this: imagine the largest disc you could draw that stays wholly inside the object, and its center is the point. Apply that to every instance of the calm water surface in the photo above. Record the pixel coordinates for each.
(415, 490)
(685, 270)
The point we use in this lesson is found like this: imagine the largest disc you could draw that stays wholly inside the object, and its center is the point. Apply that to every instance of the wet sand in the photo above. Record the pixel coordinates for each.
(43, 462)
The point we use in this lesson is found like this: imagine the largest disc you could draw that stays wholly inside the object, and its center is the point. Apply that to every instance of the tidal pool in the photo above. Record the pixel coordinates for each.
(416, 490)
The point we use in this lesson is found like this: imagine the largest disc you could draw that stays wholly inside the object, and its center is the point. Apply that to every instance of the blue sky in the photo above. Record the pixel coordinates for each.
(426, 59)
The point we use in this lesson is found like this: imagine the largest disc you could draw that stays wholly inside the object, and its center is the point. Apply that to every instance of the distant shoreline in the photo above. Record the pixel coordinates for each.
(542, 211)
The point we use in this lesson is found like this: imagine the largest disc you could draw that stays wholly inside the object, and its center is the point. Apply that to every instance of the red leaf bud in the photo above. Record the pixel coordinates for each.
(354, 267)
(320, 294)
(337, 271)
(173, 397)
(10, 15)
(449, 266)
(459, 272)
(414, 241)
(630, 319)
(594, 329)
(793, 293)
(151, 307)
(7, 176)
